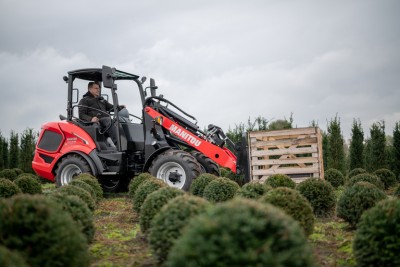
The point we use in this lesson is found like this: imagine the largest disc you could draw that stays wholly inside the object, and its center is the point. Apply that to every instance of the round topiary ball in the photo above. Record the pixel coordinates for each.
(279, 180)
(37, 178)
(366, 177)
(294, 204)
(377, 239)
(198, 184)
(320, 194)
(144, 189)
(355, 172)
(93, 182)
(169, 222)
(335, 177)
(86, 187)
(79, 192)
(8, 174)
(8, 188)
(79, 212)
(41, 232)
(136, 181)
(220, 189)
(11, 258)
(397, 191)
(242, 232)
(28, 185)
(153, 204)
(253, 190)
(18, 171)
(387, 177)
(356, 199)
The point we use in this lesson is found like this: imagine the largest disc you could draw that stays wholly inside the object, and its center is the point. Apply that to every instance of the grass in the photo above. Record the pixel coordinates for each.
(118, 240)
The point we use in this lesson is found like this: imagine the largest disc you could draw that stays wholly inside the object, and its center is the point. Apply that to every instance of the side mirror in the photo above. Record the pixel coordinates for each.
(143, 79)
(107, 77)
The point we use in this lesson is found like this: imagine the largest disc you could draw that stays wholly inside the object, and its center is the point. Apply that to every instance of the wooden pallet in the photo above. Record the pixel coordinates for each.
(294, 152)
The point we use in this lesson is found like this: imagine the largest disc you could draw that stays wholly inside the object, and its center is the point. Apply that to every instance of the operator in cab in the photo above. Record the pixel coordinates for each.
(94, 108)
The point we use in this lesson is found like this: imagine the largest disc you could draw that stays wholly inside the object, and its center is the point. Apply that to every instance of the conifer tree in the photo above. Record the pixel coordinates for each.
(356, 150)
(396, 149)
(14, 150)
(336, 157)
(28, 140)
(377, 150)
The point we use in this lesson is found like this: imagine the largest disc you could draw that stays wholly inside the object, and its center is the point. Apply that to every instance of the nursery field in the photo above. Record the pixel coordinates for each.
(119, 242)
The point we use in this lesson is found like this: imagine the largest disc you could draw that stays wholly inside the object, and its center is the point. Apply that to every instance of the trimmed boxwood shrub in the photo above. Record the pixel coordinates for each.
(387, 177)
(294, 204)
(168, 224)
(356, 199)
(8, 188)
(242, 232)
(8, 174)
(153, 204)
(397, 191)
(18, 171)
(377, 239)
(144, 189)
(198, 184)
(93, 182)
(86, 187)
(28, 185)
(41, 232)
(11, 258)
(238, 178)
(79, 212)
(320, 194)
(279, 180)
(220, 189)
(37, 178)
(335, 177)
(356, 171)
(79, 192)
(136, 181)
(253, 190)
(366, 177)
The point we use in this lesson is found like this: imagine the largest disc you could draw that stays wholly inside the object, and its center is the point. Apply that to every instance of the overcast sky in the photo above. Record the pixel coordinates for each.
(221, 61)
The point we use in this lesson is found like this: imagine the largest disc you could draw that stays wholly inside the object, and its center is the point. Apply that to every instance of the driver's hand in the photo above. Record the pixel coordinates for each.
(94, 119)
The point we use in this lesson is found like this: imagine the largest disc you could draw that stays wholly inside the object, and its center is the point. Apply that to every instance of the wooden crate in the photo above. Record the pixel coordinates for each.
(294, 152)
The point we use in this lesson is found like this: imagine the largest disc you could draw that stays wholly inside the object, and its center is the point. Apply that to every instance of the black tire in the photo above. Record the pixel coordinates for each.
(206, 164)
(69, 167)
(114, 183)
(176, 168)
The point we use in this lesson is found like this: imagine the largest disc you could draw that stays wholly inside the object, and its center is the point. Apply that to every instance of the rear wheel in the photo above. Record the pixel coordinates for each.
(69, 167)
(177, 168)
(206, 164)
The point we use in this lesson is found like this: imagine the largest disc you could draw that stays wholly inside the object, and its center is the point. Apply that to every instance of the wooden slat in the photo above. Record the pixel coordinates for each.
(285, 161)
(301, 150)
(285, 142)
(285, 171)
(288, 132)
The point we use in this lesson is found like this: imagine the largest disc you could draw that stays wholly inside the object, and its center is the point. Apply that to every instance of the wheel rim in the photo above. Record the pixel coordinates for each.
(165, 171)
(69, 172)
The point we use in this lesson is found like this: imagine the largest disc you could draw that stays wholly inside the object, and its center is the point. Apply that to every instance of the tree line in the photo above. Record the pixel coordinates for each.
(372, 153)
(17, 151)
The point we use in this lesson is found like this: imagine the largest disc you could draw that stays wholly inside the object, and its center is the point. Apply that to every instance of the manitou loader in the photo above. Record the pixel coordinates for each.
(166, 141)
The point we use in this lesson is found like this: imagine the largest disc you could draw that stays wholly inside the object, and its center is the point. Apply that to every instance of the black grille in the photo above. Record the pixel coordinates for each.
(50, 141)
(46, 158)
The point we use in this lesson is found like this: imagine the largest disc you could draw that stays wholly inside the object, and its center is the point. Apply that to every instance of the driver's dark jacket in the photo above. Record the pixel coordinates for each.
(91, 101)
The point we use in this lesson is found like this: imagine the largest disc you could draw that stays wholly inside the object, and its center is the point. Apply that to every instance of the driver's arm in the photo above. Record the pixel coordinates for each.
(83, 111)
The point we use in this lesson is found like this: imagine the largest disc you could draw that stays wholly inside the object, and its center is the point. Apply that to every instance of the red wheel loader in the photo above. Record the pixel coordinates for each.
(166, 142)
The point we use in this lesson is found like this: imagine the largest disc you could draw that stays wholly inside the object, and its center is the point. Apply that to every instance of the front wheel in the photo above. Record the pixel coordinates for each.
(69, 167)
(206, 164)
(176, 168)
